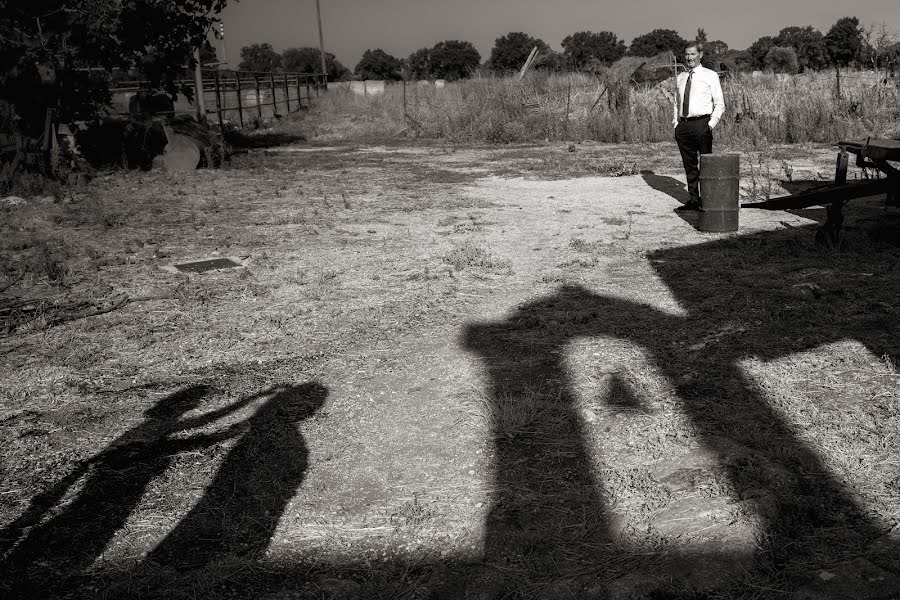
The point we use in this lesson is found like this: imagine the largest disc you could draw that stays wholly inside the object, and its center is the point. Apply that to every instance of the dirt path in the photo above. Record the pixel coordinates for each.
(505, 385)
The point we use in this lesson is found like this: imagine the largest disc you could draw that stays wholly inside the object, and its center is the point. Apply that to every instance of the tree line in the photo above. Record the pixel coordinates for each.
(793, 50)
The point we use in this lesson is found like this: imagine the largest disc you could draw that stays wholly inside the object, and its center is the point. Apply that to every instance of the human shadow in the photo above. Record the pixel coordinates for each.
(240, 508)
(746, 297)
(667, 185)
(675, 189)
(44, 553)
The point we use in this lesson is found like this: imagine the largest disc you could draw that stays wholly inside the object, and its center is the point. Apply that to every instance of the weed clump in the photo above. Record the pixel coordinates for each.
(471, 255)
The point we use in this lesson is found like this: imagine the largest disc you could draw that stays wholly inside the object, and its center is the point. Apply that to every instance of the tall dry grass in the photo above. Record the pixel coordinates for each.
(761, 109)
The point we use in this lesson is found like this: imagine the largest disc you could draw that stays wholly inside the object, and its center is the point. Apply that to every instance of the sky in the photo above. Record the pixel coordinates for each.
(399, 27)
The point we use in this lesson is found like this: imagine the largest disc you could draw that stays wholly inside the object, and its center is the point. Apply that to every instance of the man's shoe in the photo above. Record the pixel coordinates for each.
(690, 206)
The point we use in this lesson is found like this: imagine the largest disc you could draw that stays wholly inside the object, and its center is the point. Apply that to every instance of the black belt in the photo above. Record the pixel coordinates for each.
(693, 118)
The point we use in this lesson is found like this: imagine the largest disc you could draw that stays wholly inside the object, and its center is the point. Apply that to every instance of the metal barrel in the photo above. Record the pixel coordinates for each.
(719, 192)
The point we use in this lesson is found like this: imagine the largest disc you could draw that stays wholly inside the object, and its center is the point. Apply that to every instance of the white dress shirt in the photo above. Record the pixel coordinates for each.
(706, 95)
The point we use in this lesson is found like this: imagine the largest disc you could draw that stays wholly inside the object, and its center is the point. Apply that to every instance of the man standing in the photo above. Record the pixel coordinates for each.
(698, 109)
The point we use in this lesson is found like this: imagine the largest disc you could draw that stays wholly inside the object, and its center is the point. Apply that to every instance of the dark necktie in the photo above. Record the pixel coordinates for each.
(686, 103)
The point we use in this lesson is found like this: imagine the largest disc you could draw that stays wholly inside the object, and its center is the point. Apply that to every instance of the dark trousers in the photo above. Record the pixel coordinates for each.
(694, 138)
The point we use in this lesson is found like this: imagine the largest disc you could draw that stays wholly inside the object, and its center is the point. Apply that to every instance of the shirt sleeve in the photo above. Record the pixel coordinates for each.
(675, 103)
(718, 101)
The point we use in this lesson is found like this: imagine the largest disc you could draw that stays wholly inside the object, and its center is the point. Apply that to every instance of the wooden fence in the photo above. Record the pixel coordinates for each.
(242, 98)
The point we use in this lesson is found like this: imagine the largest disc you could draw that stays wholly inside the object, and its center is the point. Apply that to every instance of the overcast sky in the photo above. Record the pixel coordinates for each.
(400, 27)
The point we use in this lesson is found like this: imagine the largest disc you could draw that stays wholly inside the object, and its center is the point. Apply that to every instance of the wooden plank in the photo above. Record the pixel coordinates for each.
(840, 171)
(528, 62)
(875, 148)
(826, 195)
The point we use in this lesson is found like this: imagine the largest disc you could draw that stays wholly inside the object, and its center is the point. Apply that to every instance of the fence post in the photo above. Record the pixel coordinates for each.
(258, 97)
(218, 100)
(237, 78)
(837, 69)
(568, 103)
(404, 101)
(272, 87)
(287, 93)
(299, 95)
(317, 86)
(199, 100)
(308, 93)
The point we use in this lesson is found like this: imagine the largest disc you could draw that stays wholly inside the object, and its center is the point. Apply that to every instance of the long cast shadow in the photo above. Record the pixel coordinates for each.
(240, 509)
(761, 309)
(544, 480)
(44, 556)
(667, 185)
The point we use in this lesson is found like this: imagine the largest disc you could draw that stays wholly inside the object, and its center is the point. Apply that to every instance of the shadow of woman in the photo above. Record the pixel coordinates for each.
(241, 507)
(65, 545)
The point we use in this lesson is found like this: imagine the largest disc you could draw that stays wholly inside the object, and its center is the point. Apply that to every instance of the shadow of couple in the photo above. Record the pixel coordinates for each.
(236, 515)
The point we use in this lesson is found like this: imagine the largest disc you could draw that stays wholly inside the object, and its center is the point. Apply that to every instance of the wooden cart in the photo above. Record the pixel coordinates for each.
(873, 154)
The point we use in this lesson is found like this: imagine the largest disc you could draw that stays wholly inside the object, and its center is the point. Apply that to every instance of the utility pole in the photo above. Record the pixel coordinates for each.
(321, 44)
(221, 36)
(199, 100)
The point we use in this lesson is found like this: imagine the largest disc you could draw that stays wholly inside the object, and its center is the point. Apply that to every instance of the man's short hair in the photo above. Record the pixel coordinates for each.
(695, 44)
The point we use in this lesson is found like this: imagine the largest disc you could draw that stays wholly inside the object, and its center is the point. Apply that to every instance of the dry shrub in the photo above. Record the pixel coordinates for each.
(470, 254)
(614, 105)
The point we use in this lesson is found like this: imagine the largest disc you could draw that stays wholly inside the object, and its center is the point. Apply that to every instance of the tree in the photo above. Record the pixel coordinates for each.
(658, 40)
(712, 53)
(701, 36)
(809, 44)
(759, 49)
(734, 61)
(259, 57)
(47, 47)
(782, 59)
(208, 55)
(877, 43)
(586, 47)
(844, 41)
(418, 64)
(511, 51)
(891, 56)
(715, 47)
(378, 64)
(550, 60)
(307, 60)
(453, 59)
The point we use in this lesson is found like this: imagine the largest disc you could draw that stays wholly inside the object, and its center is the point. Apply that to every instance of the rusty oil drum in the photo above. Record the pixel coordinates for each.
(719, 192)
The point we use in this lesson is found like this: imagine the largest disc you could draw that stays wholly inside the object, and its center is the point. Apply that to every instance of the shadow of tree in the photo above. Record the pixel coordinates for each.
(547, 522)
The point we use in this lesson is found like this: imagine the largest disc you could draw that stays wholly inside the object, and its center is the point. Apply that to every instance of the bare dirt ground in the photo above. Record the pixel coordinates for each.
(449, 373)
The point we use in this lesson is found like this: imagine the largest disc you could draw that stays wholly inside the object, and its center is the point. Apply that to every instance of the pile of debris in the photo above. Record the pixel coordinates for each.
(150, 136)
